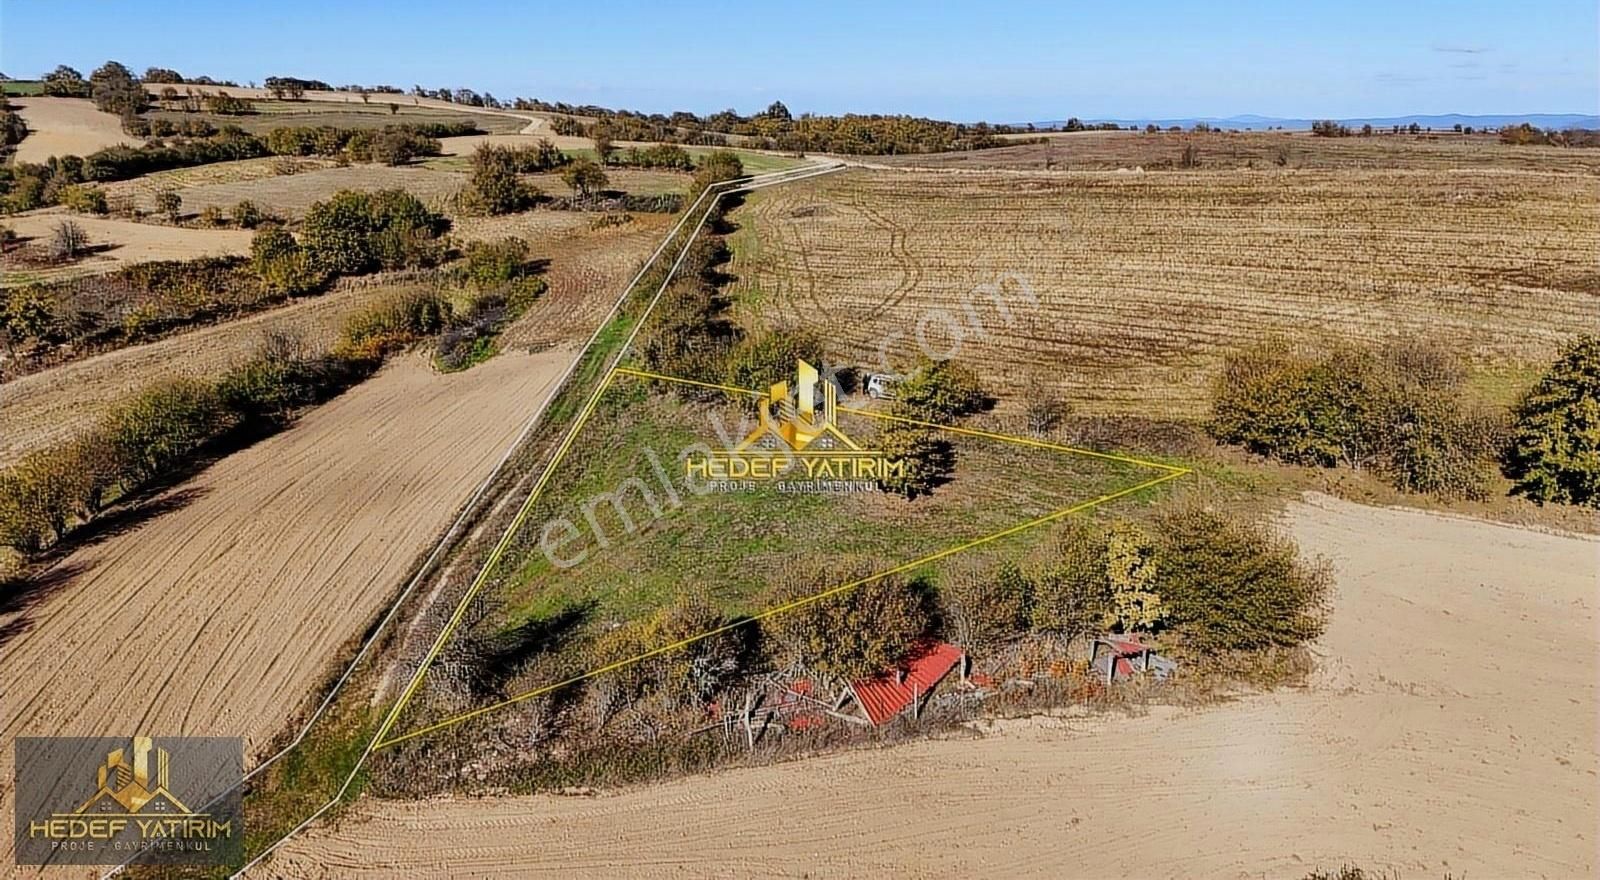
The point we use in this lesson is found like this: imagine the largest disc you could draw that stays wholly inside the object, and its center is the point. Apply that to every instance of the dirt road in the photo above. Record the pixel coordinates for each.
(1451, 729)
(220, 615)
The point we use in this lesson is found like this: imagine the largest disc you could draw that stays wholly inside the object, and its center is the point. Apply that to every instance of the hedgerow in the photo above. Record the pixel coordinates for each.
(1398, 410)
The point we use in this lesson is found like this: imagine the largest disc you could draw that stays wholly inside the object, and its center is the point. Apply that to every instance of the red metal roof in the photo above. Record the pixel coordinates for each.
(1127, 646)
(883, 698)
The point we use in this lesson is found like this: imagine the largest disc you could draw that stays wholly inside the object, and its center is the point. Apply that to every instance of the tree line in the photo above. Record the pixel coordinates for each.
(26, 186)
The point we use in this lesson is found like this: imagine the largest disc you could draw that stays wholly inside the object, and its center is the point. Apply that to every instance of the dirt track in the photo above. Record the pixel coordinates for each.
(220, 615)
(1451, 729)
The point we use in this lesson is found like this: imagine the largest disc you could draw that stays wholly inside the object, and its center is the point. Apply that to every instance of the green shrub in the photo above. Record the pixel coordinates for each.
(166, 425)
(929, 461)
(97, 459)
(659, 156)
(941, 391)
(39, 497)
(337, 234)
(1554, 451)
(1397, 410)
(353, 232)
(29, 313)
(758, 362)
(584, 177)
(169, 203)
(246, 215)
(690, 676)
(1071, 597)
(492, 264)
(23, 525)
(688, 334)
(1230, 585)
(84, 199)
(124, 162)
(1257, 404)
(392, 324)
(987, 608)
(717, 166)
(1132, 574)
(494, 187)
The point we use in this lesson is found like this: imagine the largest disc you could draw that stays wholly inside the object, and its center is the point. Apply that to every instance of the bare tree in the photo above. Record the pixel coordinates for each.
(68, 241)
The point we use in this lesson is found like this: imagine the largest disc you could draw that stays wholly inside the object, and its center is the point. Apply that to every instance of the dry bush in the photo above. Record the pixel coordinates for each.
(68, 241)
(1397, 409)
(858, 632)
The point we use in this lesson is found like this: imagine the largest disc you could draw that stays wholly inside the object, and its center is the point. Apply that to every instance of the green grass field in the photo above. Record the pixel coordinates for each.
(631, 536)
(22, 87)
(736, 544)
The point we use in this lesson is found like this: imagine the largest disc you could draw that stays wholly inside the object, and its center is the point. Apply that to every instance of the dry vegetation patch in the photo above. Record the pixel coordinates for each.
(52, 405)
(117, 243)
(190, 183)
(274, 114)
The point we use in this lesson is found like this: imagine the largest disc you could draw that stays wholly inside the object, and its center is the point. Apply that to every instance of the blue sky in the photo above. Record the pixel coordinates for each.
(1013, 61)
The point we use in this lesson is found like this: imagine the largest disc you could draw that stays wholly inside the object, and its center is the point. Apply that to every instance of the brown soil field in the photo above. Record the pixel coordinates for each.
(235, 591)
(628, 180)
(66, 126)
(289, 196)
(140, 192)
(119, 242)
(584, 280)
(1471, 754)
(1143, 281)
(1102, 150)
(585, 271)
(530, 225)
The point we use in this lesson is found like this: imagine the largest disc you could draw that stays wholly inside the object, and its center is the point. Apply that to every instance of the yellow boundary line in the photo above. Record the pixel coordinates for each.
(493, 560)
(382, 741)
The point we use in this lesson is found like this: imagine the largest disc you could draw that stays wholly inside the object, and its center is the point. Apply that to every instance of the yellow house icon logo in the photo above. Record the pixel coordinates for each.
(132, 779)
(795, 420)
(797, 435)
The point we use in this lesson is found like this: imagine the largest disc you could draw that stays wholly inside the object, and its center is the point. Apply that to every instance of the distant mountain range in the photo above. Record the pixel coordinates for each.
(1446, 121)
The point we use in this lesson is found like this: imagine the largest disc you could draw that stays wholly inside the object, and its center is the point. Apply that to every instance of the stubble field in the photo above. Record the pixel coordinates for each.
(1111, 150)
(1123, 291)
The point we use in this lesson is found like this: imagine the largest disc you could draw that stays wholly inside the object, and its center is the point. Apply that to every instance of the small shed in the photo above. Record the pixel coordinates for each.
(881, 698)
(1118, 658)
